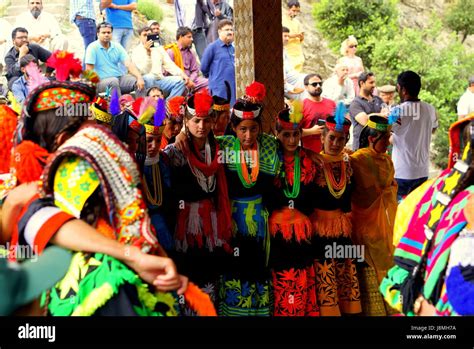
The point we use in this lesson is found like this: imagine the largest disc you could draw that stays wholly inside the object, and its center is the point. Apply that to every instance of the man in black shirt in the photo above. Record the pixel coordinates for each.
(22, 47)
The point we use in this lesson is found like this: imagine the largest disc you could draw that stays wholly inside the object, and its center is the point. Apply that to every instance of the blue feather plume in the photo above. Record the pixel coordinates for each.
(114, 105)
(339, 116)
(160, 112)
(394, 115)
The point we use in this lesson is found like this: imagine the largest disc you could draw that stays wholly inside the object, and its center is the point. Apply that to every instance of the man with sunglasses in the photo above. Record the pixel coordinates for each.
(315, 111)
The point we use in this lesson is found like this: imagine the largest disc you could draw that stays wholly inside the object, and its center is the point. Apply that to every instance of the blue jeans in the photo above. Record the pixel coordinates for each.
(170, 85)
(406, 186)
(88, 30)
(122, 36)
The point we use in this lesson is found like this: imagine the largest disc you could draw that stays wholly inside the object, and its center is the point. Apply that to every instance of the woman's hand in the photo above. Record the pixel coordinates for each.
(181, 144)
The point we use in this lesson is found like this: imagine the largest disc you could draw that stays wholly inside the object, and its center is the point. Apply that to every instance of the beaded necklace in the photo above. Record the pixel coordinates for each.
(335, 188)
(242, 169)
(295, 191)
(157, 198)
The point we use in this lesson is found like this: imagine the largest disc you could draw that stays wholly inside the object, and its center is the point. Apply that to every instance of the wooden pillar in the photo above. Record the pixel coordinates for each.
(259, 52)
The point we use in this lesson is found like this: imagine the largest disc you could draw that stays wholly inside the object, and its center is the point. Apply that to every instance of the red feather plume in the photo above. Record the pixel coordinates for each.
(256, 92)
(202, 102)
(65, 65)
(175, 106)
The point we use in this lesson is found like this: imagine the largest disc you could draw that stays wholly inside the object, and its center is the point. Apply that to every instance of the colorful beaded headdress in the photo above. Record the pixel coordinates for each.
(379, 123)
(100, 110)
(339, 123)
(200, 104)
(119, 180)
(176, 108)
(250, 105)
(291, 117)
(152, 115)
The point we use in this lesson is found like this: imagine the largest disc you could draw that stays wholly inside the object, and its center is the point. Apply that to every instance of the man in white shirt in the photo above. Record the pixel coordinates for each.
(466, 102)
(152, 60)
(412, 135)
(339, 87)
(43, 28)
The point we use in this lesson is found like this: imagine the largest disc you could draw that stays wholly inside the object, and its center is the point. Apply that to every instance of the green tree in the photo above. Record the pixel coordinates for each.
(443, 70)
(460, 18)
(367, 20)
(150, 9)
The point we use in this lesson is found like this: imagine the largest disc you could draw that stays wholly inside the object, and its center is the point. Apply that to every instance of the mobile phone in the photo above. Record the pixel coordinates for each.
(154, 38)
(321, 122)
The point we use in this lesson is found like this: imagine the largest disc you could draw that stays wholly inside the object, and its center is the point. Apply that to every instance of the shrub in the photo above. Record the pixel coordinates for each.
(150, 9)
(459, 18)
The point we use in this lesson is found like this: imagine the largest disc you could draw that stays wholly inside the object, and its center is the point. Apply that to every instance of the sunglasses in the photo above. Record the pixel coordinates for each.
(314, 84)
(352, 46)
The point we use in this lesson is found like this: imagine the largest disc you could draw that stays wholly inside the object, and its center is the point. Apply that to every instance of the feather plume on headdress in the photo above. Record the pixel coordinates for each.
(255, 92)
(114, 105)
(14, 105)
(65, 65)
(200, 104)
(339, 122)
(394, 115)
(296, 112)
(136, 106)
(160, 113)
(291, 117)
(35, 76)
(146, 111)
(175, 107)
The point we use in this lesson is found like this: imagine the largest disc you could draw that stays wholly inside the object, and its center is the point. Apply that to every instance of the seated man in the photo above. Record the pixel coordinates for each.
(43, 26)
(155, 93)
(104, 56)
(185, 59)
(152, 61)
(155, 30)
(20, 86)
(21, 47)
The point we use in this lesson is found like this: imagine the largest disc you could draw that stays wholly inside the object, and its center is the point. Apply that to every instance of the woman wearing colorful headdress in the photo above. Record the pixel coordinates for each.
(199, 185)
(337, 287)
(251, 162)
(374, 204)
(433, 260)
(291, 257)
(92, 180)
(175, 110)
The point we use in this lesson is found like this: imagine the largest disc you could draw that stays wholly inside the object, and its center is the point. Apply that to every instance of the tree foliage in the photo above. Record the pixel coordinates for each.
(365, 19)
(460, 18)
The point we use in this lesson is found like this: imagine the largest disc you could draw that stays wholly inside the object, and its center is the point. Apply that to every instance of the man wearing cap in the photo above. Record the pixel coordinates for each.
(155, 30)
(466, 102)
(387, 94)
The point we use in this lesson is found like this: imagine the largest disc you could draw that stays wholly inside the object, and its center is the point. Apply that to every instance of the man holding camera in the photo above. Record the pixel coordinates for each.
(152, 61)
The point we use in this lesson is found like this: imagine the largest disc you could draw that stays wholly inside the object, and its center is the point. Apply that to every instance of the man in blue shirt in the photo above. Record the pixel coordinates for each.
(218, 61)
(119, 14)
(103, 56)
(20, 86)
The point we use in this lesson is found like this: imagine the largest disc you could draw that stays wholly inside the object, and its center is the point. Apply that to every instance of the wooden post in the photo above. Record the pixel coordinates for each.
(259, 52)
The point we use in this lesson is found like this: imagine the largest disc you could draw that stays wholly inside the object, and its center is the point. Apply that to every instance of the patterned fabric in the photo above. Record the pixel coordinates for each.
(59, 96)
(74, 183)
(371, 299)
(268, 156)
(337, 287)
(410, 248)
(211, 288)
(295, 292)
(93, 280)
(245, 298)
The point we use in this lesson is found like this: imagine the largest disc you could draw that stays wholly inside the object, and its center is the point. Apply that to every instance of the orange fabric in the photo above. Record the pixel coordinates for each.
(291, 223)
(199, 301)
(374, 205)
(104, 228)
(331, 224)
(49, 228)
(178, 58)
(8, 122)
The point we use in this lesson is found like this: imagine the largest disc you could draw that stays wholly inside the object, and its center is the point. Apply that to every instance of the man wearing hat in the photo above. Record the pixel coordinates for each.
(155, 30)
(22, 283)
(466, 102)
(387, 93)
